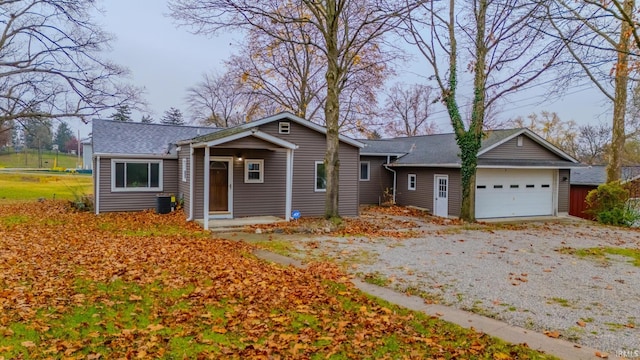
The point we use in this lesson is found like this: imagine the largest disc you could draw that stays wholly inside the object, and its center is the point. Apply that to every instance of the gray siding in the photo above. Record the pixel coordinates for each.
(198, 184)
(563, 190)
(423, 195)
(372, 191)
(134, 201)
(183, 186)
(530, 150)
(312, 147)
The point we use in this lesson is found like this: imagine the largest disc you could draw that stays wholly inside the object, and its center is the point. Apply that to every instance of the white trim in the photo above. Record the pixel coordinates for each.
(207, 180)
(415, 182)
(229, 213)
(260, 162)
(184, 169)
(535, 137)
(368, 171)
(251, 132)
(382, 155)
(288, 186)
(96, 180)
(315, 177)
(137, 156)
(159, 188)
(542, 167)
(191, 183)
(303, 122)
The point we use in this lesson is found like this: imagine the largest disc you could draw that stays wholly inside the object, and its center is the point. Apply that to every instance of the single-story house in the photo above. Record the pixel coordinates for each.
(588, 178)
(519, 174)
(274, 166)
(271, 166)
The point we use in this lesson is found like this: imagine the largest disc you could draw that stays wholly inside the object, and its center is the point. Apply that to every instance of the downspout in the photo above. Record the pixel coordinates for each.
(394, 178)
(96, 181)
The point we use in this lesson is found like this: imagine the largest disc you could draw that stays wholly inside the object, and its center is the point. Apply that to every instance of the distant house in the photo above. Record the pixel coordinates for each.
(270, 166)
(274, 166)
(585, 179)
(519, 174)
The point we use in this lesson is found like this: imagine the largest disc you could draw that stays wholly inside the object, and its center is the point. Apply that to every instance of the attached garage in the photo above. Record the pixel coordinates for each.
(515, 192)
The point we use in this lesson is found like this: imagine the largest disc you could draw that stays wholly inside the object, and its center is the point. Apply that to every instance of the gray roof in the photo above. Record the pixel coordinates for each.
(597, 174)
(118, 137)
(439, 149)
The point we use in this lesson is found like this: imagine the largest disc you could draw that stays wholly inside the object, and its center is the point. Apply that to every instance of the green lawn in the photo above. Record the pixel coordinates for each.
(33, 186)
(30, 159)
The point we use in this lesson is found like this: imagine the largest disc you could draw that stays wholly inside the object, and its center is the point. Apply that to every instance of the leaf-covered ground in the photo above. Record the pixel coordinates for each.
(141, 285)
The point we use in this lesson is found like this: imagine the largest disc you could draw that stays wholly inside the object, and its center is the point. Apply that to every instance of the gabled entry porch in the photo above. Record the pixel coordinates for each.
(243, 174)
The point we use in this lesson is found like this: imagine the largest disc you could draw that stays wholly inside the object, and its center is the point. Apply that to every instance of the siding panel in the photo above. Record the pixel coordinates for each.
(423, 195)
(134, 201)
(530, 150)
(372, 191)
(563, 190)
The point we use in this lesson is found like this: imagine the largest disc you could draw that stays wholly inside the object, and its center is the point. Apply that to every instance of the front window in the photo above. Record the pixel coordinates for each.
(321, 177)
(253, 171)
(364, 171)
(412, 182)
(136, 175)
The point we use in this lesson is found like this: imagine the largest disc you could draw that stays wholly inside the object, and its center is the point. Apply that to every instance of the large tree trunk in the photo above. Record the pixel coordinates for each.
(331, 113)
(614, 169)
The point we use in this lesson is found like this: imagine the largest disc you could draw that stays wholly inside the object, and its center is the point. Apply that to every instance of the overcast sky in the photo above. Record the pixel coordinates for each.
(166, 61)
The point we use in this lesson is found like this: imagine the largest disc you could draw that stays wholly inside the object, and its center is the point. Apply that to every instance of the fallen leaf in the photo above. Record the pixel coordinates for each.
(552, 334)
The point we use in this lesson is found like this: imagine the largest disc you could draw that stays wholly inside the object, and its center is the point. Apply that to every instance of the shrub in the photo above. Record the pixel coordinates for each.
(609, 203)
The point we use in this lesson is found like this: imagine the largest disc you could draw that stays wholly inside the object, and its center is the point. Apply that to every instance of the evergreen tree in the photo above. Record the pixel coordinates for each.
(123, 113)
(37, 134)
(63, 135)
(146, 119)
(172, 116)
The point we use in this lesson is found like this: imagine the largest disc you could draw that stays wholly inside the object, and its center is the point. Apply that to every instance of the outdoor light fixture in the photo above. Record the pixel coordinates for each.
(239, 156)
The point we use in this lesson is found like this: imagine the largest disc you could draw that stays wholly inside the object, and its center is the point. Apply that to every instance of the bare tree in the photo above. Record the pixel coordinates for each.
(345, 29)
(408, 109)
(50, 64)
(218, 100)
(504, 48)
(598, 35)
(592, 143)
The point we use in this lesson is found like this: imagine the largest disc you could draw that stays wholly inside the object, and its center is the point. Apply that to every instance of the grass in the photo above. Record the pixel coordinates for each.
(34, 186)
(30, 159)
(600, 253)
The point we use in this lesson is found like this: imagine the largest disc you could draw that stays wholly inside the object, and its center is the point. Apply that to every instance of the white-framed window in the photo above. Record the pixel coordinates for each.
(184, 170)
(284, 127)
(412, 181)
(136, 175)
(519, 141)
(254, 171)
(321, 177)
(364, 171)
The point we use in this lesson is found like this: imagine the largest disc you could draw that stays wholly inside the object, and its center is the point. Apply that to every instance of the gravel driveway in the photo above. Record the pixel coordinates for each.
(526, 275)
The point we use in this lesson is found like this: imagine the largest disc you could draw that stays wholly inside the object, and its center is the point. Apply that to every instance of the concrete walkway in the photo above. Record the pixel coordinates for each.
(513, 334)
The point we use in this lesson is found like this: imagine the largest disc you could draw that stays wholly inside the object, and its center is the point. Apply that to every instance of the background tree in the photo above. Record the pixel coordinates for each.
(146, 119)
(38, 134)
(122, 113)
(62, 136)
(50, 64)
(408, 109)
(598, 35)
(219, 100)
(6, 132)
(172, 116)
(71, 144)
(504, 48)
(345, 29)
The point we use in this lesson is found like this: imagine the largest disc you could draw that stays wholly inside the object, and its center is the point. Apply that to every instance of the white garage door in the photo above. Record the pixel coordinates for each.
(514, 192)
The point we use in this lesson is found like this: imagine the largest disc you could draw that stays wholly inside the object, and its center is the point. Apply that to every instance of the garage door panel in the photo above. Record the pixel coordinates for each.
(513, 192)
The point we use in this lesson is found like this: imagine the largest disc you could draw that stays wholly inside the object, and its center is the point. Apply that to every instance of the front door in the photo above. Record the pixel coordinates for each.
(219, 186)
(441, 195)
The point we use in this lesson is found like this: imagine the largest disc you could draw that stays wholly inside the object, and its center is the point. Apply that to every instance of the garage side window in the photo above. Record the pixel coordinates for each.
(412, 182)
(184, 170)
(136, 175)
(364, 171)
(321, 177)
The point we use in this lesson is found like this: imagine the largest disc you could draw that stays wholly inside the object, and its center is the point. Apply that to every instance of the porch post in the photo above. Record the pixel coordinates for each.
(207, 151)
(288, 185)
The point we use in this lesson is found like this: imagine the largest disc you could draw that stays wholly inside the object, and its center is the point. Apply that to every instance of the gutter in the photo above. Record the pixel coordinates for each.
(394, 178)
(96, 180)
